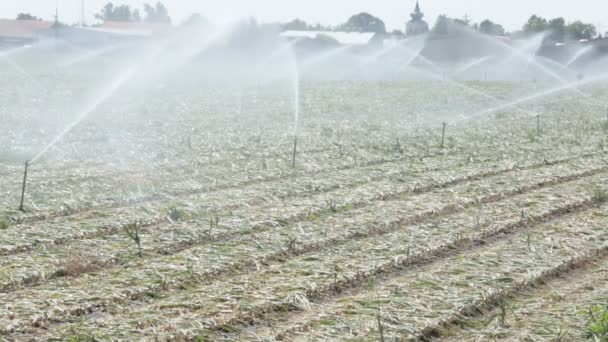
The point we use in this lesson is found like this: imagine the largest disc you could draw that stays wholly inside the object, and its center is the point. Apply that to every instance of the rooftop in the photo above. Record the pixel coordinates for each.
(344, 38)
(23, 28)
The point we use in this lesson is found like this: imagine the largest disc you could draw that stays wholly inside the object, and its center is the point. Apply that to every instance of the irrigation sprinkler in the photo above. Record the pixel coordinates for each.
(443, 135)
(538, 125)
(295, 151)
(27, 165)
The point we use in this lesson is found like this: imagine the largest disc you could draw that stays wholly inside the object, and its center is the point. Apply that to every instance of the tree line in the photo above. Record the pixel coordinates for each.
(558, 30)
(152, 13)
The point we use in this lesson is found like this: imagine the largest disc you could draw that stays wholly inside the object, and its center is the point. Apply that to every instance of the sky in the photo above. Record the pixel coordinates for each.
(510, 13)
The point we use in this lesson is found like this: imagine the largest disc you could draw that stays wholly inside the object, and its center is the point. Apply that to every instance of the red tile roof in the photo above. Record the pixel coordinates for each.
(23, 28)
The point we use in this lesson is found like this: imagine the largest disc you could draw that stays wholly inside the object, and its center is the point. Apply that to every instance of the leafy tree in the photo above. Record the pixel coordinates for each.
(364, 22)
(296, 25)
(488, 27)
(441, 25)
(157, 14)
(27, 16)
(557, 27)
(301, 25)
(135, 15)
(109, 12)
(579, 30)
(536, 24)
(319, 27)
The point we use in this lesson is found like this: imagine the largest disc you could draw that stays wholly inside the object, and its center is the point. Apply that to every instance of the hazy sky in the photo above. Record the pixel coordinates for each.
(511, 13)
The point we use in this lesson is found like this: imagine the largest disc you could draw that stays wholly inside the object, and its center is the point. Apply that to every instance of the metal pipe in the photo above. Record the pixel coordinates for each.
(443, 135)
(27, 165)
(295, 151)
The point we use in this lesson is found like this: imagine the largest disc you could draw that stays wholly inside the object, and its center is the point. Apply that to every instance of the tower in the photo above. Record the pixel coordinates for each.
(416, 25)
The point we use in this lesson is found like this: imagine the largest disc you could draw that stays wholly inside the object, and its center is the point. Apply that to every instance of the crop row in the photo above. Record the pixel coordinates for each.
(53, 199)
(104, 251)
(564, 308)
(271, 283)
(421, 303)
(412, 176)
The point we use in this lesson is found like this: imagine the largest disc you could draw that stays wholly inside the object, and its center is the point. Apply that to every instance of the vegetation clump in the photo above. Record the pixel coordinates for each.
(133, 231)
(599, 196)
(597, 323)
(76, 266)
(4, 223)
(176, 214)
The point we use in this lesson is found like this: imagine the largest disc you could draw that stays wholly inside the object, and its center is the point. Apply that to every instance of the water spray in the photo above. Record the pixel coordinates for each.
(27, 165)
(443, 135)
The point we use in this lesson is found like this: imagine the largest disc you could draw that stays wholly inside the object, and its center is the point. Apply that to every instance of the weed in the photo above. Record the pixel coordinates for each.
(291, 244)
(4, 224)
(599, 196)
(313, 216)
(596, 323)
(398, 147)
(214, 222)
(175, 214)
(191, 271)
(380, 326)
(604, 125)
(332, 206)
(133, 231)
(76, 266)
(505, 307)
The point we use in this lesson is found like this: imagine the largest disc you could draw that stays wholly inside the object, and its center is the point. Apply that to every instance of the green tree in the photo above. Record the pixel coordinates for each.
(156, 14)
(364, 22)
(490, 28)
(135, 15)
(536, 24)
(441, 25)
(557, 29)
(109, 12)
(579, 30)
(296, 25)
(26, 16)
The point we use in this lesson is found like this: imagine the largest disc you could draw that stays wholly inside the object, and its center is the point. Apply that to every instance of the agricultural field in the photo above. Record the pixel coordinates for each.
(183, 216)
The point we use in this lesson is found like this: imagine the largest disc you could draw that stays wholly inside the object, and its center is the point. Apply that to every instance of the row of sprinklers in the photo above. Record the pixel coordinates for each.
(293, 161)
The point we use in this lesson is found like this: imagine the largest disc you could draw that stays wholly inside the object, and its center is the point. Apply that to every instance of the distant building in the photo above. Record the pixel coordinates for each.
(341, 38)
(133, 28)
(111, 32)
(22, 32)
(416, 26)
(15, 33)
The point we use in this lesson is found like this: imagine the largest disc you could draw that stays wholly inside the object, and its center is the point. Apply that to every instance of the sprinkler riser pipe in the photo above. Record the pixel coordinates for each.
(24, 186)
(443, 135)
(295, 151)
